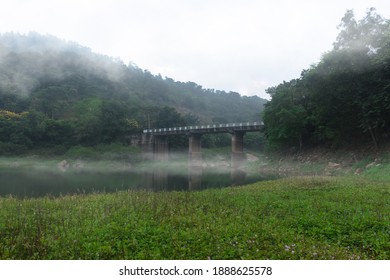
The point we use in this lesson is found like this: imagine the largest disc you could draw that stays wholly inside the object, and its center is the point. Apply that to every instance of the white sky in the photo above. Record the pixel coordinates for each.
(232, 45)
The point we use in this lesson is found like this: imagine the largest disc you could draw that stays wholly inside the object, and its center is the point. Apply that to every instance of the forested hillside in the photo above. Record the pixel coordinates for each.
(345, 98)
(54, 92)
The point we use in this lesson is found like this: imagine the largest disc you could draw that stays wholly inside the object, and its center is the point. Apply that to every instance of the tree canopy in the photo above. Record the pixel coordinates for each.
(344, 98)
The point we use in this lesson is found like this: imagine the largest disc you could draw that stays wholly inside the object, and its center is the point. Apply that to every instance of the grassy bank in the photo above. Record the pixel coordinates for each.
(295, 218)
(362, 162)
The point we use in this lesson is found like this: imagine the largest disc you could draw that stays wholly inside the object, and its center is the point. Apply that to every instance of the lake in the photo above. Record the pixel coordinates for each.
(36, 178)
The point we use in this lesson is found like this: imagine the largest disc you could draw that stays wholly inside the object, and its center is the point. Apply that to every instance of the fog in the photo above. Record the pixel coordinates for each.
(33, 176)
(28, 60)
(176, 164)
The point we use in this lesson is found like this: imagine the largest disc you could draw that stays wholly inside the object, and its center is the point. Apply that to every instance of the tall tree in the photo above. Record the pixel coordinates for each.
(346, 96)
(286, 117)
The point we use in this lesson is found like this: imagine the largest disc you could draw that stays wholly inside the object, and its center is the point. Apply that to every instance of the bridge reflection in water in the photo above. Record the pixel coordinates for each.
(155, 143)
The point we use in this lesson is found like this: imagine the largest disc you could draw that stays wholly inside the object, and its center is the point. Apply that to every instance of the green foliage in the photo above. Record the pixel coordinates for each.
(216, 140)
(285, 116)
(344, 98)
(58, 132)
(76, 97)
(81, 152)
(14, 128)
(12, 149)
(254, 140)
(300, 218)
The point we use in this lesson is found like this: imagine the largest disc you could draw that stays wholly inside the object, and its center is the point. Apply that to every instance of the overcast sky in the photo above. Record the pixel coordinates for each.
(232, 45)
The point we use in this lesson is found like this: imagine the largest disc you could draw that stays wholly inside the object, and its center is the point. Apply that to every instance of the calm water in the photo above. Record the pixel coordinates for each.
(35, 179)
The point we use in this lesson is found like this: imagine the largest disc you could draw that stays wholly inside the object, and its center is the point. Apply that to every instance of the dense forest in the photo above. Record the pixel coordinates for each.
(343, 99)
(58, 93)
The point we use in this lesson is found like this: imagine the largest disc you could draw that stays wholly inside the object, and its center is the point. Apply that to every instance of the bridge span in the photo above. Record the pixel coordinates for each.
(207, 129)
(155, 141)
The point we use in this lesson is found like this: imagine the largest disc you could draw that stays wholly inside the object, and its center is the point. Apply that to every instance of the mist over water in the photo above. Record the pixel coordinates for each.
(31, 177)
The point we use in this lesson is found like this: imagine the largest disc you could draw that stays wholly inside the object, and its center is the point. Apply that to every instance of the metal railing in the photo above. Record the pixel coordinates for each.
(213, 127)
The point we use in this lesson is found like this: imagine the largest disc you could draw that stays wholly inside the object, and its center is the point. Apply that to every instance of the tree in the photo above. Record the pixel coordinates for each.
(115, 122)
(58, 132)
(345, 97)
(168, 117)
(285, 115)
(88, 129)
(363, 34)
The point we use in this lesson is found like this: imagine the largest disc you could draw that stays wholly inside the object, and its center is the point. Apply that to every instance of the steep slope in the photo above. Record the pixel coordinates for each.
(54, 92)
(32, 63)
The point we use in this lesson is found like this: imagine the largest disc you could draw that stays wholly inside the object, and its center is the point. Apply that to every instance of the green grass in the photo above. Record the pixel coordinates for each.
(379, 172)
(295, 218)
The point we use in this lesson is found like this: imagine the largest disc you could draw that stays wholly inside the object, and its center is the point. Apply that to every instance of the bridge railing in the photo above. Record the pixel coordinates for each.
(193, 128)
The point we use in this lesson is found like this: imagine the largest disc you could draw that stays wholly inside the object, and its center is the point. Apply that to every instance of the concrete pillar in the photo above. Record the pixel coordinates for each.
(195, 149)
(238, 156)
(160, 147)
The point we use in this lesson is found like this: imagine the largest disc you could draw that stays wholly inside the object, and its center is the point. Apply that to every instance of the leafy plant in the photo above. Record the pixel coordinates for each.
(296, 218)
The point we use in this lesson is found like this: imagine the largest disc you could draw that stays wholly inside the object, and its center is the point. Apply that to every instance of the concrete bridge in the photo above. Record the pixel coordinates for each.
(155, 140)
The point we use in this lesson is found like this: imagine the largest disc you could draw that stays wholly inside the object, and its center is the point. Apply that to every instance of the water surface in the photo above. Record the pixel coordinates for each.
(31, 178)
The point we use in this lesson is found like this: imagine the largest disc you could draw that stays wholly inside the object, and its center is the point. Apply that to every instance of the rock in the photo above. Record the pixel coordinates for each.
(358, 171)
(251, 158)
(78, 165)
(63, 165)
(334, 165)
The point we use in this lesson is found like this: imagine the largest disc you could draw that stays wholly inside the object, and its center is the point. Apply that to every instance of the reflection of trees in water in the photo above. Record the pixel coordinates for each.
(21, 182)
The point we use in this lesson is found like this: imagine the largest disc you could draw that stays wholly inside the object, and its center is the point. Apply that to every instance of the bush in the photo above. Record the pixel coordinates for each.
(7, 149)
(82, 152)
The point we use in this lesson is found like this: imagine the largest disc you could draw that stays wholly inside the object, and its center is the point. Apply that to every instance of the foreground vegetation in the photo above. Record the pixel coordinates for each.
(295, 218)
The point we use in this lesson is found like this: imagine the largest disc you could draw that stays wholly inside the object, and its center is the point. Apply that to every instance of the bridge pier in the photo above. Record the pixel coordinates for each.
(160, 149)
(195, 149)
(238, 156)
(155, 145)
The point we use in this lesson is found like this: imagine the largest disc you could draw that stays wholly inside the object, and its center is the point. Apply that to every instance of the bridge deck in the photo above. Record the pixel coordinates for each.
(207, 129)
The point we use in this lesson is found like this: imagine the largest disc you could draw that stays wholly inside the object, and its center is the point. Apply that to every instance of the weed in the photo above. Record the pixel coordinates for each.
(295, 218)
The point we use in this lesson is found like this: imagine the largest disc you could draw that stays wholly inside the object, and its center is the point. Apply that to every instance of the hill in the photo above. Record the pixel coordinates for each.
(54, 92)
